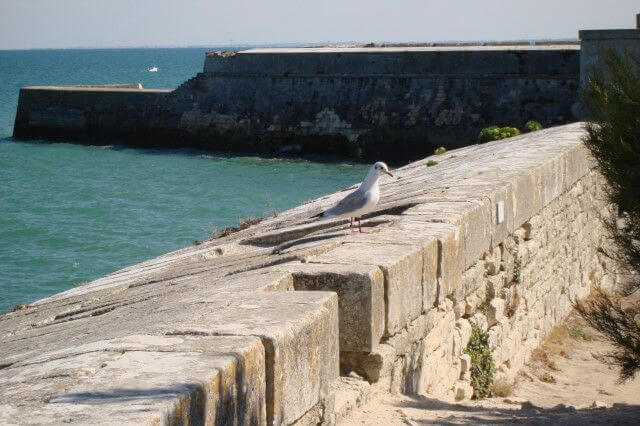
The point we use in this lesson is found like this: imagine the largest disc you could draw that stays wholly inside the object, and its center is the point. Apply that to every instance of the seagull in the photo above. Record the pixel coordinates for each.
(362, 200)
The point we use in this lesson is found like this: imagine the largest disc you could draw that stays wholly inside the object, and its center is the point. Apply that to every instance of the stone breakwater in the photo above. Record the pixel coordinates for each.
(269, 325)
(397, 103)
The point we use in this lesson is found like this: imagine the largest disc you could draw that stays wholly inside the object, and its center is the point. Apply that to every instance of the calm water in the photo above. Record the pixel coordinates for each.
(71, 213)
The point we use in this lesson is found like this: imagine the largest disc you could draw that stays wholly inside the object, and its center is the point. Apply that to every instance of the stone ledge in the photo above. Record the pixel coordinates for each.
(270, 282)
(140, 379)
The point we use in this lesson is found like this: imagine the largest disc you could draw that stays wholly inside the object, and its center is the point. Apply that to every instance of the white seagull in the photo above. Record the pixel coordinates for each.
(361, 201)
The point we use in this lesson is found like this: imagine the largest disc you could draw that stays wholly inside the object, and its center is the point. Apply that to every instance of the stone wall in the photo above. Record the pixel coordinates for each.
(594, 42)
(516, 292)
(255, 327)
(393, 103)
(92, 114)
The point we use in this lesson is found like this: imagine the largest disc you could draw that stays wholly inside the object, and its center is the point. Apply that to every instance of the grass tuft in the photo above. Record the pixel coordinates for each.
(244, 224)
(502, 387)
(20, 307)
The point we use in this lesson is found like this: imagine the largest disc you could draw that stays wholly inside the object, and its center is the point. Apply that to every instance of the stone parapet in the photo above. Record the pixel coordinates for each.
(255, 327)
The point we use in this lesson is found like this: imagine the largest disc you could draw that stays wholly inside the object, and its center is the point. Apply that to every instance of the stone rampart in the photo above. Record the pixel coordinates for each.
(92, 113)
(256, 327)
(393, 102)
(595, 42)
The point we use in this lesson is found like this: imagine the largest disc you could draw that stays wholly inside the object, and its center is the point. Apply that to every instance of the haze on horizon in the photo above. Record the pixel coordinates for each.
(167, 23)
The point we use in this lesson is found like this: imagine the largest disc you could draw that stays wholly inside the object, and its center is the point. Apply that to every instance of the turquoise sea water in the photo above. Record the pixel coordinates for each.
(71, 213)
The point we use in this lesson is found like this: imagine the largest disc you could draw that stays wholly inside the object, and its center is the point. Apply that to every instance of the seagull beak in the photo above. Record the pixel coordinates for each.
(388, 172)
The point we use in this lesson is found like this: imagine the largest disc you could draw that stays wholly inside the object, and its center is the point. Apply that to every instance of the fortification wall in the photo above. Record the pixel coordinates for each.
(396, 103)
(254, 328)
(93, 113)
(595, 42)
(516, 292)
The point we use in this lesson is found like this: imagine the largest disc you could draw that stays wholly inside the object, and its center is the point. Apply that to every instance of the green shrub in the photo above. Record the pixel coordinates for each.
(494, 133)
(612, 109)
(516, 268)
(532, 126)
(431, 163)
(481, 363)
(439, 151)
(487, 134)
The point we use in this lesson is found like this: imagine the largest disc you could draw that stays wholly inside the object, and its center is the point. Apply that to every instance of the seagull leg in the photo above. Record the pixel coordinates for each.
(359, 225)
(351, 224)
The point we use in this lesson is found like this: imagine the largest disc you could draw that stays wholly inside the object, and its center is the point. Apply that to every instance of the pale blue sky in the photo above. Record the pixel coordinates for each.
(28, 24)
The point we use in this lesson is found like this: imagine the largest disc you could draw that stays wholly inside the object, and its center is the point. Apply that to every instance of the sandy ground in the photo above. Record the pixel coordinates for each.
(564, 383)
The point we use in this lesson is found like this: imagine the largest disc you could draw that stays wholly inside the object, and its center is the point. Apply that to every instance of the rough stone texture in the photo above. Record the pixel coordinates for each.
(402, 268)
(279, 305)
(393, 103)
(290, 380)
(559, 262)
(139, 379)
(360, 292)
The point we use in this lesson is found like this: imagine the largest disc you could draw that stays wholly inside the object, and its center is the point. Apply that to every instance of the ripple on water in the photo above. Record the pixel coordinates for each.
(73, 213)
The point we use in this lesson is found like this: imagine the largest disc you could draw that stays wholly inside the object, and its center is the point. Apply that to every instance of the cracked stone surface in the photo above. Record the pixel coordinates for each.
(247, 329)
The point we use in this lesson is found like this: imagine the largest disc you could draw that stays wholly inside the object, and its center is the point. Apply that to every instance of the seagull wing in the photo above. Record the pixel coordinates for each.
(349, 204)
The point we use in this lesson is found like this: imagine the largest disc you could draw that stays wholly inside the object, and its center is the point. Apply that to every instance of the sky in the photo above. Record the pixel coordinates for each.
(29, 24)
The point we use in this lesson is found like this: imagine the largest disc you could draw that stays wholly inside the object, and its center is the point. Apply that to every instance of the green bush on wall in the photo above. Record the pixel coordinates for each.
(481, 363)
(532, 126)
(494, 133)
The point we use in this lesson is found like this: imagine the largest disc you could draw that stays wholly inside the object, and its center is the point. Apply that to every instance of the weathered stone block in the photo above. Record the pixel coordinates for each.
(141, 379)
(495, 311)
(299, 331)
(462, 390)
(402, 267)
(472, 216)
(426, 241)
(360, 290)
(527, 196)
(473, 280)
(465, 366)
(464, 328)
(578, 162)
(480, 320)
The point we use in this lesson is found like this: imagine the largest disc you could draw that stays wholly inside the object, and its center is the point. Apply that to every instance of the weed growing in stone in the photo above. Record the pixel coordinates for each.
(547, 378)
(431, 163)
(482, 366)
(244, 224)
(577, 333)
(483, 308)
(502, 387)
(532, 126)
(439, 151)
(20, 307)
(516, 268)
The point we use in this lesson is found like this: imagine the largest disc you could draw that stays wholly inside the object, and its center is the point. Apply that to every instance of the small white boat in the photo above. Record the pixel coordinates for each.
(152, 69)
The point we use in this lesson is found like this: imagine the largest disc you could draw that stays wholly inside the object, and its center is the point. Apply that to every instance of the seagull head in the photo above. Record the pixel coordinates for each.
(379, 168)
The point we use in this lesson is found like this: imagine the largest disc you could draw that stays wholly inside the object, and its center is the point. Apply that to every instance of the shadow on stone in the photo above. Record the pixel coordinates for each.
(527, 413)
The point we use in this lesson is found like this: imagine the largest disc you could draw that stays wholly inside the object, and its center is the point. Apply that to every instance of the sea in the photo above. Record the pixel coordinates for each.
(72, 213)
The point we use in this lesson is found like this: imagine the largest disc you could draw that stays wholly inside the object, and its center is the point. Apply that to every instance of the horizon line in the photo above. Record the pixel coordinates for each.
(288, 44)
